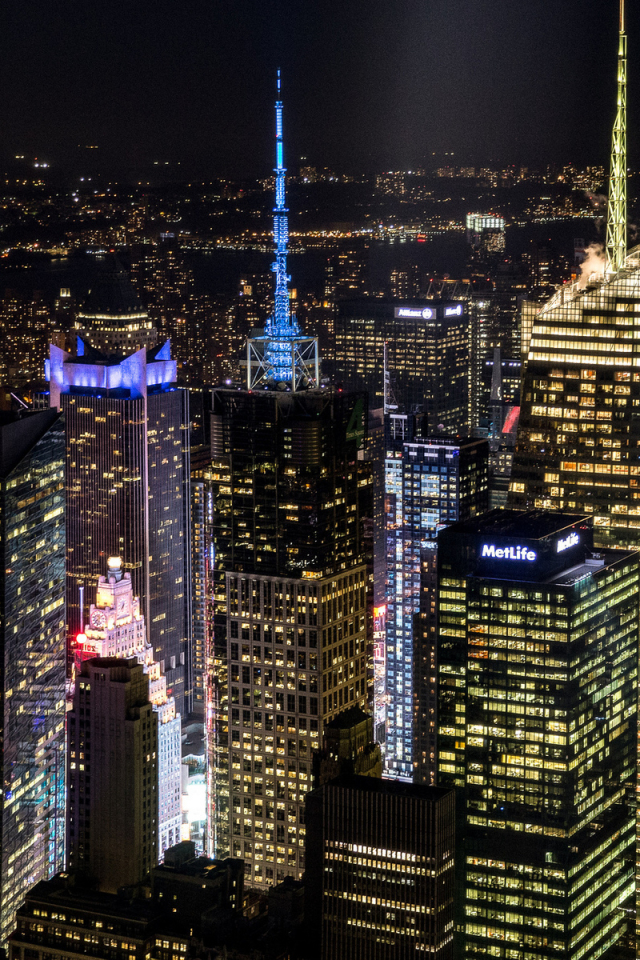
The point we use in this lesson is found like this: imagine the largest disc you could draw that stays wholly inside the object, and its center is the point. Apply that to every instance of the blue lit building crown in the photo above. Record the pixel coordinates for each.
(283, 355)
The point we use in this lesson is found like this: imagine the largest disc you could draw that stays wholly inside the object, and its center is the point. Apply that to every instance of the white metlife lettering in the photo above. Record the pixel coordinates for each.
(508, 553)
(567, 542)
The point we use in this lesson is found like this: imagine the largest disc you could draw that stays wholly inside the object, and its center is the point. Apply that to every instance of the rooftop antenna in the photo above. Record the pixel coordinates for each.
(283, 357)
(389, 400)
(617, 210)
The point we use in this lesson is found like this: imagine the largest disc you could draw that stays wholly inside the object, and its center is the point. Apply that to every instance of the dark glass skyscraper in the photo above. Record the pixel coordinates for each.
(537, 676)
(128, 490)
(32, 640)
(380, 870)
(427, 348)
(290, 590)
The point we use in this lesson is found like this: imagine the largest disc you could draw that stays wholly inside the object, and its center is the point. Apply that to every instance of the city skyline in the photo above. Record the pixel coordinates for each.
(352, 609)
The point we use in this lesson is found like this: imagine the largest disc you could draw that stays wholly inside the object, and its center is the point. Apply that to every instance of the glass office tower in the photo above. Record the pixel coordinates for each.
(32, 637)
(537, 661)
(128, 490)
(290, 500)
(429, 482)
(578, 443)
(427, 348)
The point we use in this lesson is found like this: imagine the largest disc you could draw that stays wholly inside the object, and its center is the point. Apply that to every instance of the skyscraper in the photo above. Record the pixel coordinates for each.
(290, 586)
(427, 351)
(290, 495)
(112, 319)
(578, 444)
(113, 774)
(537, 671)
(128, 489)
(429, 482)
(32, 639)
(116, 627)
(380, 870)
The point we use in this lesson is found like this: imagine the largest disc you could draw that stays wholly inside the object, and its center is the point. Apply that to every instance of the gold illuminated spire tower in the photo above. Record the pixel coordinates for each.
(578, 444)
(617, 215)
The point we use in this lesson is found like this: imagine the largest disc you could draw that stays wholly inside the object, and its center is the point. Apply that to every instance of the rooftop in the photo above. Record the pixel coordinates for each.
(396, 788)
(112, 295)
(19, 433)
(348, 718)
(523, 524)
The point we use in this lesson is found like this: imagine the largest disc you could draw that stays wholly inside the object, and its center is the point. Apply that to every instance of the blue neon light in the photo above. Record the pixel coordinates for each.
(281, 328)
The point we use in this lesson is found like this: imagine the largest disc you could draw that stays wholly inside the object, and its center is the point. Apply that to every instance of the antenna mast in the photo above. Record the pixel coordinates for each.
(283, 356)
(617, 211)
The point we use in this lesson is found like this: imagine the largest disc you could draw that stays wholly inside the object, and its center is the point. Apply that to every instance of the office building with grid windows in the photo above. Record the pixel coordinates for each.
(380, 870)
(429, 482)
(291, 587)
(578, 441)
(537, 676)
(32, 642)
(128, 490)
(116, 627)
(112, 823)
(427, 349)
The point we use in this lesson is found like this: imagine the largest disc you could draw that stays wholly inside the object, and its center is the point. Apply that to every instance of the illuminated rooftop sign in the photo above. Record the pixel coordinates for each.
(415, 313)
(570, 541)
(507, 553)
(453, 311)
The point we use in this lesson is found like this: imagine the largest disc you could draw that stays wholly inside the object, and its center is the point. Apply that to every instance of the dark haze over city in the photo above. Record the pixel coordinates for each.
(367, 85)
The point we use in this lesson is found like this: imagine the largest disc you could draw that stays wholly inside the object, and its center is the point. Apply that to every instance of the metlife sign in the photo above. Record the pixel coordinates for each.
(508, 553)
(571, 540)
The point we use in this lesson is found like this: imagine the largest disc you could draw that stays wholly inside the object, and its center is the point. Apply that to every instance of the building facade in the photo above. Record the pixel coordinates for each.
(429, 483)
(380, 870)
(116, 628)
(537, 671)
(62, 921)
(112, 823)
(427, 350)
(578, 442)
(200, 589)
(128, 490)
(290, 591)
(32, 635)
(112, 319)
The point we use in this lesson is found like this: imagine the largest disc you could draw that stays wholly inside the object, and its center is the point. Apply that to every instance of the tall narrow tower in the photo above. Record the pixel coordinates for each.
(617, 215)
(578, 444)
(282, 356)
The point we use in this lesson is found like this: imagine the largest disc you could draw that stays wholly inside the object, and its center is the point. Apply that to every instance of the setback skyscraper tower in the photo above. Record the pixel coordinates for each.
(128, 488)
(578, 445)
(290, 495)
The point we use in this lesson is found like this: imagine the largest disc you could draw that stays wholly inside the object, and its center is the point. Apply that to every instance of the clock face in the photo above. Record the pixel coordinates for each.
(98, 619)
(122, 605)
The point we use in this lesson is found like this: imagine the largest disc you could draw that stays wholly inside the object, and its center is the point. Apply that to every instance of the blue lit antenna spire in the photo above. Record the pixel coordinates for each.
(282, 357)
(281, 322)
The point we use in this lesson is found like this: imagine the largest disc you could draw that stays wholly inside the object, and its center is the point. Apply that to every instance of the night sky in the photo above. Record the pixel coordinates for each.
(368, 84)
